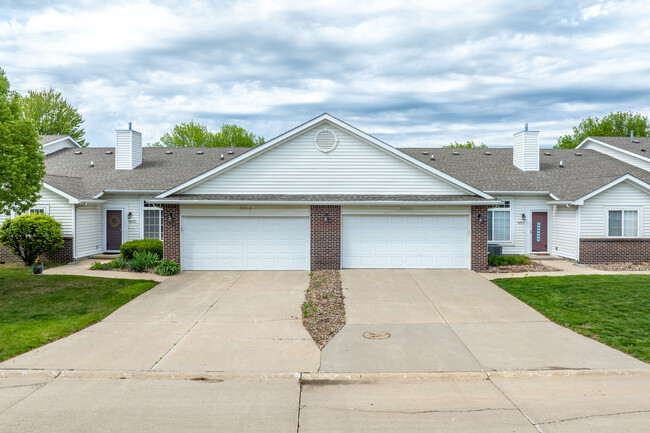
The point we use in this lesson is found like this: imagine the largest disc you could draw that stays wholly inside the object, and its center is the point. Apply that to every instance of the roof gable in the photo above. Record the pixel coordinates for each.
(627, 179)
(292, 164)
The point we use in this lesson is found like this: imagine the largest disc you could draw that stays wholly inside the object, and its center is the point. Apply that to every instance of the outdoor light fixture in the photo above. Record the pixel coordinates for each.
(169, 217)
(523, 217)
(326, 216)
(130, 215)
(480, 218)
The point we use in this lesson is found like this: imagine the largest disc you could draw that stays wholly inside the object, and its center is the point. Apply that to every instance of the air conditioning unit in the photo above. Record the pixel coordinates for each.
(495, 250)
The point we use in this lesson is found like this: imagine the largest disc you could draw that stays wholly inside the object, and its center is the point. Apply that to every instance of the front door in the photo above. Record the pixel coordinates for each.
(113, 230)
(540, 232)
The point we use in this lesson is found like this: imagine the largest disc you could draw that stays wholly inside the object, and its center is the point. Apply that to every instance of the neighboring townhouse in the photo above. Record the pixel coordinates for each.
(326, 195)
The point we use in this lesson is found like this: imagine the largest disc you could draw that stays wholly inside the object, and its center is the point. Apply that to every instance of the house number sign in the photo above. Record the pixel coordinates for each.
(539, 231)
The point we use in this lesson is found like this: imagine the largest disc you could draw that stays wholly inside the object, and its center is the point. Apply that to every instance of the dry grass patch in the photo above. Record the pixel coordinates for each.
(323, 312)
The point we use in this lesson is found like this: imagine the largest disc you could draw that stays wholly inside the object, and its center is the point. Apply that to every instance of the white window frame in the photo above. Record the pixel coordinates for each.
(622, 209)
(509, 209)
(146, 208)
(44, 207)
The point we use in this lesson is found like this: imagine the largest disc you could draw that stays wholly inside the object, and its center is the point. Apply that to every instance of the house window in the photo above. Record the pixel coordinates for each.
(623, 223)
(38, 210)
(152, 221)
(498, 220)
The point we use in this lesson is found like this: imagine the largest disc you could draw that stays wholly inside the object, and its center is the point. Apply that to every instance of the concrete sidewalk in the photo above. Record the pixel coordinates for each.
(537, 401)
(83, 268)
(564, 267)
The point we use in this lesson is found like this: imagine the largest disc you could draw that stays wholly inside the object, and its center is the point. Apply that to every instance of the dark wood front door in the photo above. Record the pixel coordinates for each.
(113, 230)
(540, 232)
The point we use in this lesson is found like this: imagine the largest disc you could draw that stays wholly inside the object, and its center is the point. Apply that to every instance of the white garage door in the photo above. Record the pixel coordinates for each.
(386, 241)
(239, 243)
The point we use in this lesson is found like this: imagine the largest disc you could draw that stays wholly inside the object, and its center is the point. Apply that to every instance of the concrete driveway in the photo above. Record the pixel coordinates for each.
(452, 320)
(197, 321)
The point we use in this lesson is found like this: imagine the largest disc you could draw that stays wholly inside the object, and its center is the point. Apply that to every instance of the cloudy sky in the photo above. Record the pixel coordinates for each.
(419, 73)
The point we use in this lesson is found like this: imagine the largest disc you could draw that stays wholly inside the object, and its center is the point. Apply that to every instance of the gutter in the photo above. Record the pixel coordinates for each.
(129, 191)
(309, 203)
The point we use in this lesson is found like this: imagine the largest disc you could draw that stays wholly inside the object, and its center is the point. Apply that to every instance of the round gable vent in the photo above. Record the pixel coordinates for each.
(326, 140)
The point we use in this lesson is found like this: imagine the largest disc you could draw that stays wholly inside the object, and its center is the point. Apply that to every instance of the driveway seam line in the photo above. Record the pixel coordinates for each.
(446, 322)
(299, 403)
(513, 403)
(196, 323)
(31, 393)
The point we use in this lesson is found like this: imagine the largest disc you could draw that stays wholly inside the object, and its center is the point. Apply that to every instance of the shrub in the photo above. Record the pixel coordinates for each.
(99, 266)
(30, 236)
(119, 262)
(144, 260)
(494, 260)
(128, 249)
(167, 267)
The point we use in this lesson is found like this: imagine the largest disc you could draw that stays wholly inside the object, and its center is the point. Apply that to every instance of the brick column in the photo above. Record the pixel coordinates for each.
(479, 238)
(325, 237)
(172, 233)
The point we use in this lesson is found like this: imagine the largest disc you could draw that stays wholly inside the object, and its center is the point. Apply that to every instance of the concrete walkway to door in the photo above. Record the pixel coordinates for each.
(452, 320)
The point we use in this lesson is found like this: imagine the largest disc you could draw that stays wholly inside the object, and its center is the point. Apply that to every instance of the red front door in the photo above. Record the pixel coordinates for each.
(540, 232)
(113, 230)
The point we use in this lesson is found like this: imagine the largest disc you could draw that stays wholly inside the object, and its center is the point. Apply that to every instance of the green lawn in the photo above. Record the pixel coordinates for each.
(613, 309)
(37, 309)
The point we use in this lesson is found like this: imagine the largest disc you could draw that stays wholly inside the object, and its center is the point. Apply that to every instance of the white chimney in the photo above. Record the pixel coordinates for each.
(525, 153)
(128, 149)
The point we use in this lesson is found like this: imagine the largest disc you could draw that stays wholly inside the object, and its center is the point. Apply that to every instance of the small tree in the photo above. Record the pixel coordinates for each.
(615, 124)
(30, 236)
(52, 114)
(469, 145)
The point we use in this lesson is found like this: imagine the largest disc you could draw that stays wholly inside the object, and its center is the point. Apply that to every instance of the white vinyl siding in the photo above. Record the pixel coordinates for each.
(132, 202)
(622, 156)
(59, 209)
(51, 148)
(526, 150)
(622, 196)
(298, 167)
(564, 232)
(89, 230)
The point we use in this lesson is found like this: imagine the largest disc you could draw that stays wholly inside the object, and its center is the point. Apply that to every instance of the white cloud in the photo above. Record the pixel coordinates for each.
(413, 72)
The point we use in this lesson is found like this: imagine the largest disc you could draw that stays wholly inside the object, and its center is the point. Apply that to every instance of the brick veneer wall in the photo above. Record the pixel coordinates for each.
(172, 233)
(479, 238)
(325, 237)
(64, 254)
(604, 250)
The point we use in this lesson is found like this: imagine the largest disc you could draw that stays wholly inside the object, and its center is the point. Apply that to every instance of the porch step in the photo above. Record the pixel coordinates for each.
(109, 256)
(543, 257)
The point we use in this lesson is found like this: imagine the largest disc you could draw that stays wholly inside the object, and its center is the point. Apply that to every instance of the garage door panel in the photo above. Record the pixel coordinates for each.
(396, 241)
(240, 243)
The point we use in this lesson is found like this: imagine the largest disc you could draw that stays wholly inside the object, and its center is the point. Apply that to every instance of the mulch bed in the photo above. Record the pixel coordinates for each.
(513, 269)
(643, 266)
(323, 312)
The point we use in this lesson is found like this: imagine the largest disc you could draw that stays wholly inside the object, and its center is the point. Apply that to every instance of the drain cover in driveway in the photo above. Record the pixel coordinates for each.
(376, 336)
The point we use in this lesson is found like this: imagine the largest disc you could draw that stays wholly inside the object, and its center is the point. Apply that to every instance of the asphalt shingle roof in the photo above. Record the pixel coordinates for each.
(640, 145)
(44, 139)
(72, 173)
(496, 172)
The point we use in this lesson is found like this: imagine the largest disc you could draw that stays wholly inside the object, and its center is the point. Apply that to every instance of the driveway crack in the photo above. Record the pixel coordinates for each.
(197, 321)
(594, 416)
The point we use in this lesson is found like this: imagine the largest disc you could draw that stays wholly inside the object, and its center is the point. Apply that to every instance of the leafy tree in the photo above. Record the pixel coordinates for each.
(22, 164)
(236, 136)
(30, 236)
(618, 124)
(198, 135)
(52, 114)
(469, 145)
